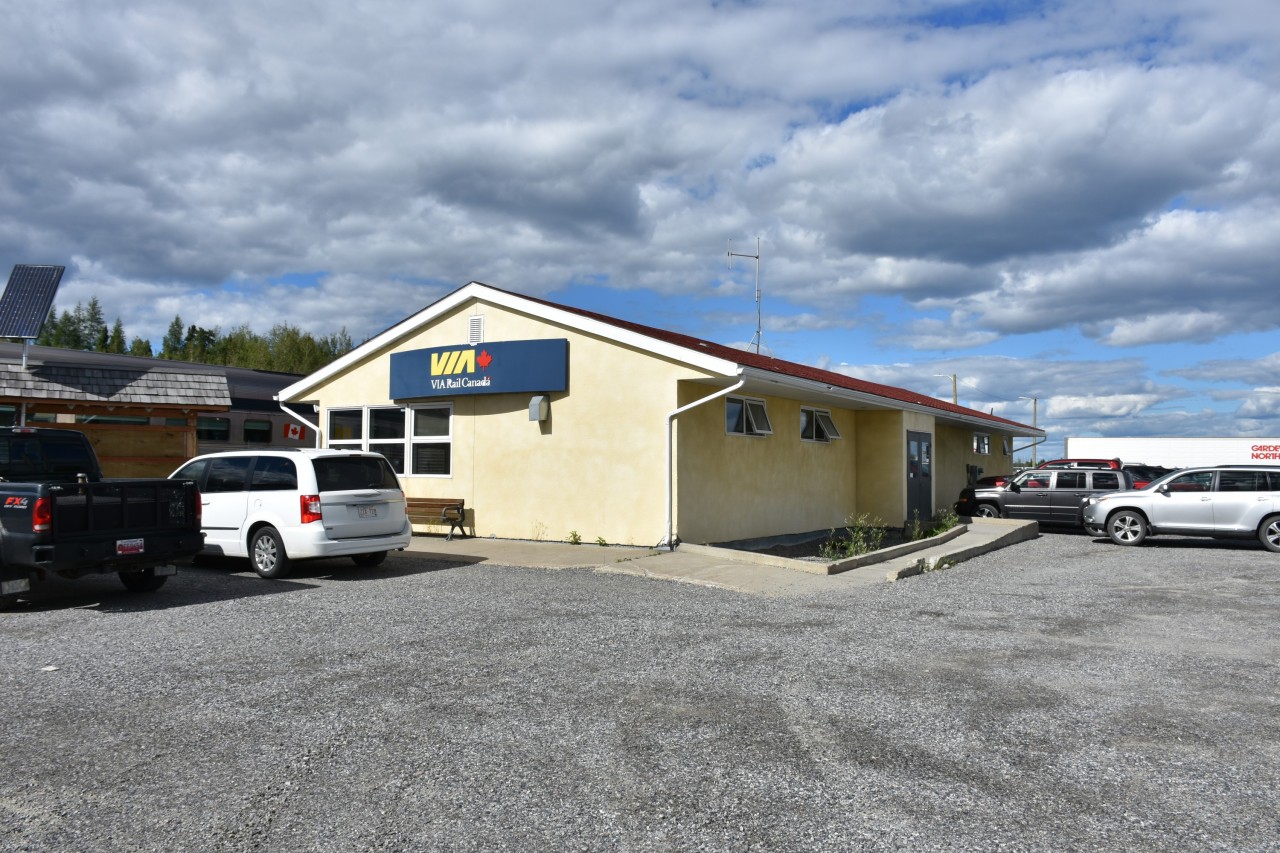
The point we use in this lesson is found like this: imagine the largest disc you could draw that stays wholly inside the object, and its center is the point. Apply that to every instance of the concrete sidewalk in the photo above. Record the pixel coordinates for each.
(724, 568)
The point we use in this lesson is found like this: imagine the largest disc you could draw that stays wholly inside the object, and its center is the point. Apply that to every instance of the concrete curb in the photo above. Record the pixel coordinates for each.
(813, 568)
(991, 535)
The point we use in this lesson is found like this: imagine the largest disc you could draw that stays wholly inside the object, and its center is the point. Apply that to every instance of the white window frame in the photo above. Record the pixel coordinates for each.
(347, 443)
(367, 443)
(413, 440)
(824, 428)
(375, 445)
(1004, 445)
(982, 444)
(755, 417)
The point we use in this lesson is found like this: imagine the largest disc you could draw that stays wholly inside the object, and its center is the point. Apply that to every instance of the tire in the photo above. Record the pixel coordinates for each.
(368, 561)
(1269, 533)
(266, 553)
(7, 601)
(987, 511)
(1127, 527)
(142, 580)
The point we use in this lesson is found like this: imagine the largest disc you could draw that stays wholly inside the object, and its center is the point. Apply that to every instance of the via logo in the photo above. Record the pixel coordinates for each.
(459, 361)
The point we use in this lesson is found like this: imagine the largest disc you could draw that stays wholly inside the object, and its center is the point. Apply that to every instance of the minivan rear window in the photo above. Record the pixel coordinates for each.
(344, 473)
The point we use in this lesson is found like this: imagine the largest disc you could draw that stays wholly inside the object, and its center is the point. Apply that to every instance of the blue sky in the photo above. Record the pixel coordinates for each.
(1075, 202)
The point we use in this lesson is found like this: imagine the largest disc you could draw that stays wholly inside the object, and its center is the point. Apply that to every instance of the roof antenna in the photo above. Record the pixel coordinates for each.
(758, 339)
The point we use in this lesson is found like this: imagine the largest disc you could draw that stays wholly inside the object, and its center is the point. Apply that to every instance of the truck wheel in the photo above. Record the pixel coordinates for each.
(1127, 527)
(266, 552)
(142, 580)
(987, 511)
(1269, 533)
(7, 601)
(368, 561)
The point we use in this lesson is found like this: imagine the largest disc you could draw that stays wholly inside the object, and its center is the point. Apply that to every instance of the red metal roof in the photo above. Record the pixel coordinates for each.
(747, 358)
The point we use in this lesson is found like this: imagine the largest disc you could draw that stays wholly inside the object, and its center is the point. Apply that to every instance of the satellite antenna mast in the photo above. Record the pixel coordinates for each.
(759, 336)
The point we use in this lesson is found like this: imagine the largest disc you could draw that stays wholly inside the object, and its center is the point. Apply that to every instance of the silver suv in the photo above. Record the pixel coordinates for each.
(1223, 502)
(1046, 495)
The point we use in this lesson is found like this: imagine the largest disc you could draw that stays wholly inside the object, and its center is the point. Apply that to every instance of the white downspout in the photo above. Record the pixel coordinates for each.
(291, 413)
(668, 540)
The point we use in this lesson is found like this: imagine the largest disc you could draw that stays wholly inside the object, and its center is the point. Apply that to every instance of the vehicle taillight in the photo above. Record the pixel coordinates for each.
(42, 515)
(310, 508)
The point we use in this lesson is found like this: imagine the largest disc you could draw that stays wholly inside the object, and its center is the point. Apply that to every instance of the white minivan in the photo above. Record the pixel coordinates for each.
(277, 506)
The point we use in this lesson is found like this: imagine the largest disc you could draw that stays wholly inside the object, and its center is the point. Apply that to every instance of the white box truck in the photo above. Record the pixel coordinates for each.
(1176, 452)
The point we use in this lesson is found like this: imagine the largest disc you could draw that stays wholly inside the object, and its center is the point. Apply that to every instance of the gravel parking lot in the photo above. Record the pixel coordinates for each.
(1061, 694)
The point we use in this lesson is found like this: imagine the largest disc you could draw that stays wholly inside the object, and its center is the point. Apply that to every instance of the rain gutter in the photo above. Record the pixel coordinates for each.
(668, 539)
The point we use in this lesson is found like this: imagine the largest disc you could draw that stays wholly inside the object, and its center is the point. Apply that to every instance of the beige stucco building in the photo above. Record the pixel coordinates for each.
(549, 420)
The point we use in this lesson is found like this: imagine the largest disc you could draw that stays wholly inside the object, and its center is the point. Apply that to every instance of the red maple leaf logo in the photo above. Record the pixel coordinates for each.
(484, 360)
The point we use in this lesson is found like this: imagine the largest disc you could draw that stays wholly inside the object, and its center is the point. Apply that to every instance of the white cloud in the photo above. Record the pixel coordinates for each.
(1163, 328)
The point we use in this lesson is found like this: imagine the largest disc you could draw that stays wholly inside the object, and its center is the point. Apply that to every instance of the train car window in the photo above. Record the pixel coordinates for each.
(213, 429)
(257, 432)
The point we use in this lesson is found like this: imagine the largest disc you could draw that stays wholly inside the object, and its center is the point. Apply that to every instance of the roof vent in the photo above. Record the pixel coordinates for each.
(475, 329)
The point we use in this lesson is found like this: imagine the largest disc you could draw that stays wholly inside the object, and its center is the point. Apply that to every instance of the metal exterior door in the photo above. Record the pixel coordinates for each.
(919, 476)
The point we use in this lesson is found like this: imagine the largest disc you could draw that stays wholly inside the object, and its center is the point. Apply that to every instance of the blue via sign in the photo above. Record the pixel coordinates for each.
(504, 367)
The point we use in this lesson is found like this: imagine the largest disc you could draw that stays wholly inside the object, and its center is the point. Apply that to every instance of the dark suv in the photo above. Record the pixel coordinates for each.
(1046, 495)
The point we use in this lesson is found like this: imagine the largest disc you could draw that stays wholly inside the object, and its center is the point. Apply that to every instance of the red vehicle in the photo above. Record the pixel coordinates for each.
(1082, 463)
(1144, 474)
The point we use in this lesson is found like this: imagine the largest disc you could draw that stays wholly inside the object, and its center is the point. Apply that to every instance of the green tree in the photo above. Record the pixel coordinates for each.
(285, 348)
(173, 344)
(200, 344)
(49, 331)
(93, 325)
(241, 347)
(69, 334)
(115, 343)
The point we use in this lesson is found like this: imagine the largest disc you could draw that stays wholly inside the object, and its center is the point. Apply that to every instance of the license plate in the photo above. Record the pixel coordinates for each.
(128, 546)
(367, 511)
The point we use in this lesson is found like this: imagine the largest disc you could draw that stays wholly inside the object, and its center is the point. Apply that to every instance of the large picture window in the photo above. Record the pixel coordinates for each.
(432, 440)
(386, 435)
(417, 440)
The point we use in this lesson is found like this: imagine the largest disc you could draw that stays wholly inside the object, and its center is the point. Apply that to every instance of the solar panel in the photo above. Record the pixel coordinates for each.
(27, 299)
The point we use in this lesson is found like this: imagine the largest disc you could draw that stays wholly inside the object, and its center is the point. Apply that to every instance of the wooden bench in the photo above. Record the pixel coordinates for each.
(449, 511)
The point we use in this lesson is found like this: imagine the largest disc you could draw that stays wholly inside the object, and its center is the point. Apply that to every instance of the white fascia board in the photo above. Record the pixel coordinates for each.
(818, 389)
(477, 290)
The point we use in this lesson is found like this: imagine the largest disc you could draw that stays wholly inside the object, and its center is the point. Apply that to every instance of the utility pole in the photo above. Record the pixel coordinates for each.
(1035, 422)
(955, 395)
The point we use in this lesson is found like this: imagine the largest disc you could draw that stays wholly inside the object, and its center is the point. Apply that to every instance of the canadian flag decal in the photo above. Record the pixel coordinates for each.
(296, 432)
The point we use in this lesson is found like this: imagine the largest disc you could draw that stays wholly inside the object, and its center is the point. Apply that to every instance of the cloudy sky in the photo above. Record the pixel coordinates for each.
(1071, 202)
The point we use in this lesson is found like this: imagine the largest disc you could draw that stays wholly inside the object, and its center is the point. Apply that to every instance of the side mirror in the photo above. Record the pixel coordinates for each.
(1015, 488)
(1163, 488)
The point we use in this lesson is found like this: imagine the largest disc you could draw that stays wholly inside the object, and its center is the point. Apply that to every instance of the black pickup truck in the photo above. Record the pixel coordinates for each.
(59, 516)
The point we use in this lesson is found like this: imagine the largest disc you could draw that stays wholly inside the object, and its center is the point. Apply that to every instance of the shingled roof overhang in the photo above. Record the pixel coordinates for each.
(723, 365)
(83, 387)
